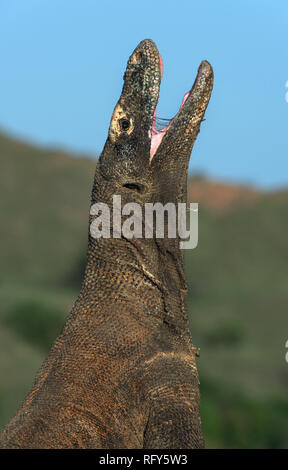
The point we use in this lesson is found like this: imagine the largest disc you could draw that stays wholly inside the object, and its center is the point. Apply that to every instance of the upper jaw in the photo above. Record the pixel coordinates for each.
(142, 82)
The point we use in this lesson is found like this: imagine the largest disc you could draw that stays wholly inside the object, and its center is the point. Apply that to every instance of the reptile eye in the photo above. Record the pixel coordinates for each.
(125, 124)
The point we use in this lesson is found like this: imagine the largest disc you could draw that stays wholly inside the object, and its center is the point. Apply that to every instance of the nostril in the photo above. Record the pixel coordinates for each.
(137, 57)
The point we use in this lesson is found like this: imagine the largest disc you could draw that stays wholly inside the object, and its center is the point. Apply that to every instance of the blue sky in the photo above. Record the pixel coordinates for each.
(62, 63)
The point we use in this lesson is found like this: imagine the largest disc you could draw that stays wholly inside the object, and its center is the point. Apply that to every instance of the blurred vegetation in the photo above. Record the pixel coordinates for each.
(36, 323)
(225, 333)
(232, 420)
(237, 300)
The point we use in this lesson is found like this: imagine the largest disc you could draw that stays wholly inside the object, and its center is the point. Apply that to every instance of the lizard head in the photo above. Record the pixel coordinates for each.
(139, 161)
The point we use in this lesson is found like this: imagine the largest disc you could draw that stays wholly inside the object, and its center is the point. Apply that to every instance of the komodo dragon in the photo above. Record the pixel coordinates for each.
(122, 373)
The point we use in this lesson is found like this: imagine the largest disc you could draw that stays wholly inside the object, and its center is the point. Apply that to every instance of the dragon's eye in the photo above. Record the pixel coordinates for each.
(125, 124)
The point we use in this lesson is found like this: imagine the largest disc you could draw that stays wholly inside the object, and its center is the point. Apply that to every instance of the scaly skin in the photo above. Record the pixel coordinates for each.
(122, 373)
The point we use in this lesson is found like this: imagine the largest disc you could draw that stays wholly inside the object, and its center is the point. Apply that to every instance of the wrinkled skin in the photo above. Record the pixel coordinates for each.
(122, 373)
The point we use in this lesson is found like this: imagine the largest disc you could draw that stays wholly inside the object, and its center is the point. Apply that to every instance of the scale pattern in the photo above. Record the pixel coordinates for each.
(122, 373)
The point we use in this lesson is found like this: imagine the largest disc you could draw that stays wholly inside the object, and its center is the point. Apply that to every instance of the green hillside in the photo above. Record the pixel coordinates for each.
(237, 301)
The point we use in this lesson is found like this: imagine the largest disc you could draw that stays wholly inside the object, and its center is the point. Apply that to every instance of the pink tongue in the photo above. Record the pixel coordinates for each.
(184, 99)
(157, 136)
(161, 65)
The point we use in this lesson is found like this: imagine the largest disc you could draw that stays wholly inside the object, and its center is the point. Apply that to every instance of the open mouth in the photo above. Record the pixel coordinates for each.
(142, 81)
(158, 131)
